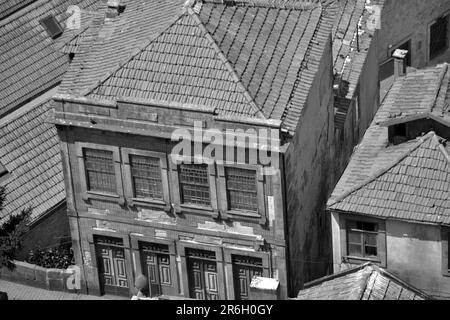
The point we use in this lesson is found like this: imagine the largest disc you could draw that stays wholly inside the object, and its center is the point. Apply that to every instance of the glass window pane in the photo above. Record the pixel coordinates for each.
(100, 172)
(146, 176)
(241, 189)
(354, 237)
(355, 250)
(194, 184)
(371, 239)
(370, 251)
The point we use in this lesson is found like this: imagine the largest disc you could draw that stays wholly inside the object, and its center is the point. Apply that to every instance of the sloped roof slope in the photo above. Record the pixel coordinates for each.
(365, 282)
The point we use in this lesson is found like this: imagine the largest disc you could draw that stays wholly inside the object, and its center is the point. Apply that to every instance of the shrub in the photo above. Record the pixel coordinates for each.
(59, 257)
(11, 233)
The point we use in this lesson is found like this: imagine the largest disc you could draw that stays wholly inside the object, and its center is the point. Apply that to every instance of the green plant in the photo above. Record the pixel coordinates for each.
(59, 257)
(11, 234)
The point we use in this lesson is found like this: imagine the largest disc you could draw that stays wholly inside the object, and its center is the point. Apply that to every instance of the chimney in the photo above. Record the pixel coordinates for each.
(115, 8)
(399, 56)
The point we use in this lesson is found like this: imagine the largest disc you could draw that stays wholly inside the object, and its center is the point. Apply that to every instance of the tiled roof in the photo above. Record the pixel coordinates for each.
(29, 149)
(365, 282)
(112, 41)
(30, 61)
(8, 7)
(351, 42)
(420, 92)
(410, 180)
(254, 59)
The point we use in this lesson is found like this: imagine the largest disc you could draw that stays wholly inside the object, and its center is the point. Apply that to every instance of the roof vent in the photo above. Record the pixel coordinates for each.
(52, 26)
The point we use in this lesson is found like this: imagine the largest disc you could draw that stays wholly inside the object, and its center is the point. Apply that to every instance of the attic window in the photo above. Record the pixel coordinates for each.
(52, 26)
(398, 133)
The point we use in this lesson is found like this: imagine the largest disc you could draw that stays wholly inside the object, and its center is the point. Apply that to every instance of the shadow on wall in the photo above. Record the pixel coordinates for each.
(49, 231)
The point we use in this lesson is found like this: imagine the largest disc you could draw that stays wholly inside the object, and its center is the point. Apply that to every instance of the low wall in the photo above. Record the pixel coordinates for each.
(33, 275)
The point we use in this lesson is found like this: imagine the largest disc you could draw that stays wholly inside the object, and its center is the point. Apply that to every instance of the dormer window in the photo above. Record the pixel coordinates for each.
(52, 26)
(398, 133)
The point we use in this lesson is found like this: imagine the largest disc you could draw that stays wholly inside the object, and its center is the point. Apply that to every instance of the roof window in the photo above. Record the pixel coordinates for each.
(52, 26)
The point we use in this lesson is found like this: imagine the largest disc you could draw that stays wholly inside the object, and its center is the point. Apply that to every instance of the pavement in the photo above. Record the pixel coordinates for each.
(18, 291)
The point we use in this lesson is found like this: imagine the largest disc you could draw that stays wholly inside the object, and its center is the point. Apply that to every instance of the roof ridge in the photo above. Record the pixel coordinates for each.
(367, 279)
(228, 66)
(441, 147)
(279, 4)
(136, 51)
(79, 31)
(380, 172)
(336, 275)
(439, 85)
(400, 281)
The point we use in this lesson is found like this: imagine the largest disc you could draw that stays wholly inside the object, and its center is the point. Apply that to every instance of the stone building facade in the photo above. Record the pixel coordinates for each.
(198, 230)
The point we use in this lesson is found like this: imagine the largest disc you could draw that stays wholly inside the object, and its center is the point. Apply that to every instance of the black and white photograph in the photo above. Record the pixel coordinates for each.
(183, 151)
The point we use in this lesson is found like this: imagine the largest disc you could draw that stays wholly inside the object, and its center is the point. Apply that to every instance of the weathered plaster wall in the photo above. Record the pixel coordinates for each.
(49, 231)
(308, 175)
(410, 19)
(414, 254)
(87, 217)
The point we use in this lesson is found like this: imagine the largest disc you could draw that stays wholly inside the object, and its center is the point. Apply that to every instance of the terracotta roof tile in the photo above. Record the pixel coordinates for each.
(365, 282)
(254, 59)
(29, 149)
(30, 61)
(411, 180)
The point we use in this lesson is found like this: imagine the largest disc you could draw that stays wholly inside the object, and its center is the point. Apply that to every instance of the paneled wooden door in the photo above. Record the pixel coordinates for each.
(244, 269)
(112, 267)
(156, 267)
(202, 273)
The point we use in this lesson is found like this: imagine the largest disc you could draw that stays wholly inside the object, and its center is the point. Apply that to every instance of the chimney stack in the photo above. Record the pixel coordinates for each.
(399, 56)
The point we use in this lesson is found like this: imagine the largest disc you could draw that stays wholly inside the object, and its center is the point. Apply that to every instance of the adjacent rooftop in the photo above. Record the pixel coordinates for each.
(364, 282)
(407, 179)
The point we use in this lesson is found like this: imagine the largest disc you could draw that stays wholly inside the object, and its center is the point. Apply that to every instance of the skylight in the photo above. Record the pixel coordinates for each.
(52, 26)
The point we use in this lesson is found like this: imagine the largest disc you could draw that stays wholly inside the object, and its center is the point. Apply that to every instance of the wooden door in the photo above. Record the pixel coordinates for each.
(202, 273)
(156, 267)
(244, 269)
(112, 268)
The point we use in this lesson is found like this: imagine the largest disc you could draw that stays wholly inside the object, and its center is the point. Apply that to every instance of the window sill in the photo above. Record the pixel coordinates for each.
(102, 196)
(149, 202)
(361, 259)
(248, 216)
(197, 209)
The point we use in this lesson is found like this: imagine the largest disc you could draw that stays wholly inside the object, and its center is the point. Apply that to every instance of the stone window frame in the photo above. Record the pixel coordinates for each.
(179, 208)
(225, 212)
(86, 194)
(429, 58)
(136, 252)
(127, 177)
(228, 260)
(381, 240)
(184, 276)
(445, 235)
